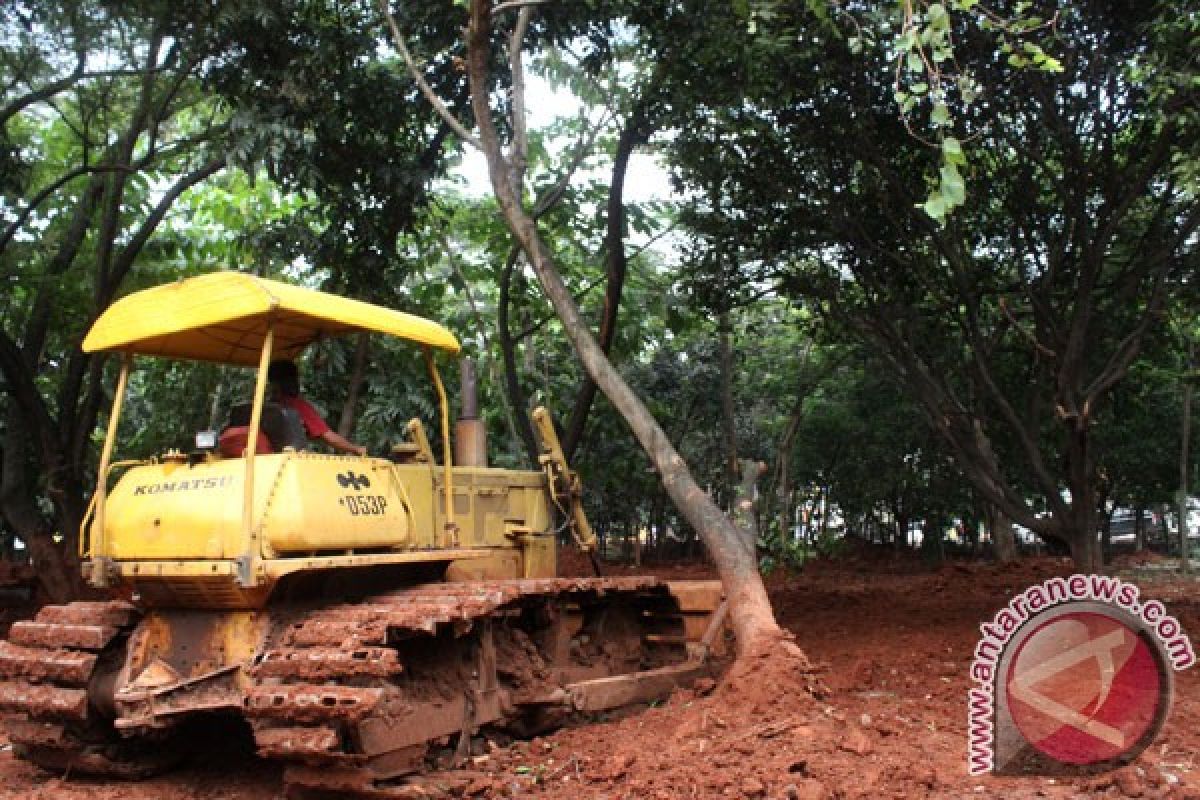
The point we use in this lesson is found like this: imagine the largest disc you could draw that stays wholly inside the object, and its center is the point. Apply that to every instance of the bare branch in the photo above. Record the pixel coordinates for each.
(524, 5)
(430, 95)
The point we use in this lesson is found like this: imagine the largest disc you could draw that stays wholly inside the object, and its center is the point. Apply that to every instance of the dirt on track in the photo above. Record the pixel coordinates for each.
(874, 706)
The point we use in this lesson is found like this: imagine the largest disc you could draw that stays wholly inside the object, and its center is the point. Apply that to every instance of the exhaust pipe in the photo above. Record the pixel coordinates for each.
(470, 434)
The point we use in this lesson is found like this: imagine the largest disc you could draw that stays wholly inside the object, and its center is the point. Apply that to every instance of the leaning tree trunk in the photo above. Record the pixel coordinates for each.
(750, 610)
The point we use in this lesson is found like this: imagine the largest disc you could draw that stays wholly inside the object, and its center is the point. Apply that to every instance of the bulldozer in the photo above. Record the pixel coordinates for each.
(364, 616)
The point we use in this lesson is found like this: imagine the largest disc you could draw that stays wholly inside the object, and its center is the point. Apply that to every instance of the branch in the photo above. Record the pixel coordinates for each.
(481, 324)
(435, 101)
(1023, 331)
(541, 323)
(516, 397)
(519, 149)
(45, 93)
(45, 193)
(524, 5)
(582, 148)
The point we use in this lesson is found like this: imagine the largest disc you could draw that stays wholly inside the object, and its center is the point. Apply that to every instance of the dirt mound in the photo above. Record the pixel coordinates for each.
(751, 736)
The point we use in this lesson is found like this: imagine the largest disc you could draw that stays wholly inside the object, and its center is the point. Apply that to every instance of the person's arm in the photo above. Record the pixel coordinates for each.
(317, 428)
(341, 443)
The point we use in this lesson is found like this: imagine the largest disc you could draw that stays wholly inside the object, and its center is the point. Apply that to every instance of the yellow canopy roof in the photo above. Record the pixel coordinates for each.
(223, 317)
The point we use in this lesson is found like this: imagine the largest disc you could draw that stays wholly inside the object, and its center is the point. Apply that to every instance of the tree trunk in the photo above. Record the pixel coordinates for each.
(632, 134)
(1085, 550)
(357, 377)
(1106, 537)
(783, 469)
(1184, 465)
(750, 609)
(1004, 542)
(508, 351)
(728, 421)
(743, 513)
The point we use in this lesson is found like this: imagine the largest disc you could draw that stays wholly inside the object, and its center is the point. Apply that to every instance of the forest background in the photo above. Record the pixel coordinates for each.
(928, 274)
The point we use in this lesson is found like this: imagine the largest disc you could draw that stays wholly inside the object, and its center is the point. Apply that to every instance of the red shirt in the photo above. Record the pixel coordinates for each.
(314, 426)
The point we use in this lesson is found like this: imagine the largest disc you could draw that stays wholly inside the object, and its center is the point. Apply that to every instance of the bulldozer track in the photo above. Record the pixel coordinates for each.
(47, 669)
(413, 668)
(353, 699)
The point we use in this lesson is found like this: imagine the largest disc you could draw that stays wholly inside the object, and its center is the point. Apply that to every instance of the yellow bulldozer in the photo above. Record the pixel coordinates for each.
(361, 614)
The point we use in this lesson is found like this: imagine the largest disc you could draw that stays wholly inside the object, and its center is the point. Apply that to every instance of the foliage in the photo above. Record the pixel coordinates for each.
(1012, 323)
(895, 361)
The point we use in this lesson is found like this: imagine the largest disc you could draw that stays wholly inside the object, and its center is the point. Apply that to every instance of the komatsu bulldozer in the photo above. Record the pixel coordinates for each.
(362, 614)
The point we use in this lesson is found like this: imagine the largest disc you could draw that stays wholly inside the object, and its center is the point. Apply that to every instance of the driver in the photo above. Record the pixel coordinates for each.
(284, 379)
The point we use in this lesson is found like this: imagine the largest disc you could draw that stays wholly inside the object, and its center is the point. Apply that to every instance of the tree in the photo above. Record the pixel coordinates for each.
(1013, 321)
(105, 127)
(750, 610)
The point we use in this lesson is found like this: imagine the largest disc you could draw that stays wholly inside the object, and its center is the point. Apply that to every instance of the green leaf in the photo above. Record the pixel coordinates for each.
(937, 16)
(940, 115)
(914, 62)
(935, 206)
(952, 151)
(953, 188)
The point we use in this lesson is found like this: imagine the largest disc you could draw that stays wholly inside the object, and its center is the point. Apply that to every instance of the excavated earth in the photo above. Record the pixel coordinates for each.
(872, 703)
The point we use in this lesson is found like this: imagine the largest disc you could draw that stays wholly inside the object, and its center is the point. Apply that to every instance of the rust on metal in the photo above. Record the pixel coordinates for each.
(311, 703)
(43, 701)
(114, 613)
(37, 664)
(54, 635)
(296, 742)
(423, 609)
(31, 732)
(76, 759)
(317, 663)
(369, 737)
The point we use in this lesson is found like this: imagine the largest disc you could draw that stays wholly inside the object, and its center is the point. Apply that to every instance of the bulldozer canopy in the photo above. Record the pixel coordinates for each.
(223, 317)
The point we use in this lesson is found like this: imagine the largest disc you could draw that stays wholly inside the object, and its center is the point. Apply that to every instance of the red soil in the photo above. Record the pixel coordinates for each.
(875, 706)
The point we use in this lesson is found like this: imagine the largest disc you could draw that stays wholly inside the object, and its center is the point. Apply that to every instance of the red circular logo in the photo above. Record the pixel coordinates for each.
(1084, 688)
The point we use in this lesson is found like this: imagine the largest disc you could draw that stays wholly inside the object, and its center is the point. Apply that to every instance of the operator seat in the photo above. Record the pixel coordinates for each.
(279, 428)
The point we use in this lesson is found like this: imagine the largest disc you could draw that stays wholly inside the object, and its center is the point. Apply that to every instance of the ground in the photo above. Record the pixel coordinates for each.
(875, 707)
